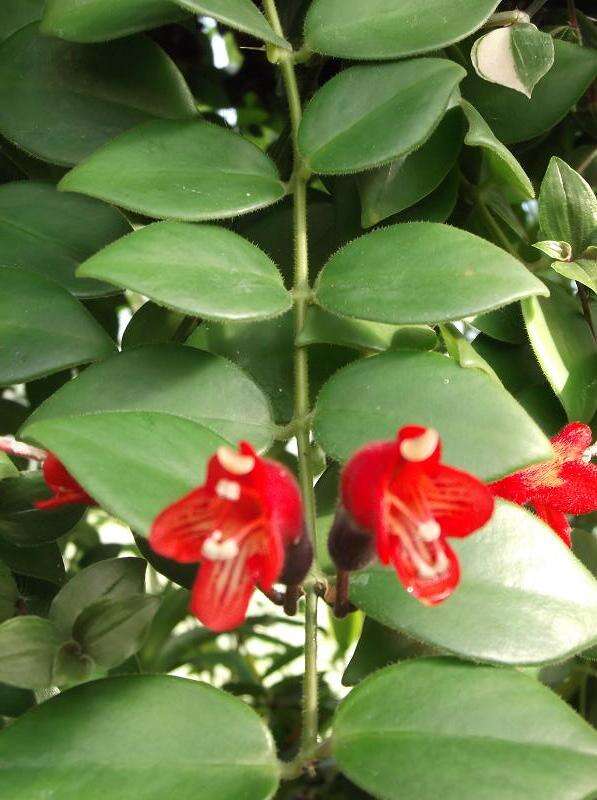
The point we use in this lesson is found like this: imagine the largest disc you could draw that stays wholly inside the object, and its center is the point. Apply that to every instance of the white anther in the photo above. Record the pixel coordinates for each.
(420, 448)
(590, 453)
(228, 490)
(234, 462)
(217, 550)
(429, 531)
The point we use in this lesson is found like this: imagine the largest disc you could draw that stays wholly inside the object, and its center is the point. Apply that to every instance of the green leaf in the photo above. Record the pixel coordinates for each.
(517, 56)
(402, 183)
(523, 596)
(462, 732)
(390, 28)
(224, 399)
(350, 123)
(462, 351)
(181, 574)
(101, 20)
(50, 332)
(490, 436)
(18, 13)
(28, 646)
(133, 463)
(437, 206)
(513, 117)
(583, 270)
(61, 101)
(71, 665)
(202, 270)
(8, 593)
(552, 249)
(203, 172)
(114, 578)
(323, 328)
(152, 324)
(567, 207)
(242, 15)
(111, 630)
(7, 468)
(421, 272)
(501, 161)
(217, 749)
(15, 701)
(504, 324)
(378, 647)
(565, 349)
(264, 350)
(43, 562)
(52, 233)
(24, 525)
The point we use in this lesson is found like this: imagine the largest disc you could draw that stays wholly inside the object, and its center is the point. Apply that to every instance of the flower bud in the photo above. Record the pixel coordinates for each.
(350, 546)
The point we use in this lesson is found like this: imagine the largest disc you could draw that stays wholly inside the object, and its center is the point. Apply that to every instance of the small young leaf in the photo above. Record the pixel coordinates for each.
(567, 207)
(517, 56)
(582, 270)
(350, 123)
(28, 647)
(242, 15)
(559, 250)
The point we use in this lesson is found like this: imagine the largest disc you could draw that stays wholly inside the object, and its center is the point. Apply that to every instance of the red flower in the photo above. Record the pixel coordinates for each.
(65, 488)
(565, 485)
(400, 494)
(244, 526)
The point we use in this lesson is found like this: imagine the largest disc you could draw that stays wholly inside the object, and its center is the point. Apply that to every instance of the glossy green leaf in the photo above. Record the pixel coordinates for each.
(504, 324)
(323, 328)
(523, 597)
(552, 249)
(152, 324)
(264, 350)
(567, 207)
(52, 233)
(114, 578)
(390, 28)
(133, 463)
(462, 351)
(111, 630)
(350, 124)
(49, 332)
(71, 665)
(565, 349)
(516, 56)
(18, 13)
(163, 379)
(8, 593)
(463, 732)
(513, 117)
(421, 272)
(437, 206)
(402, 183)
(239, 14)
(61, 101)
(43, 562)
(202, 270)
(15, 701)
(203, 172)
(28, 646)
(7, 468)
(101, 20)
(583, 270)
(24, 525)
(490, 435)
(217, 749)
(502, 163)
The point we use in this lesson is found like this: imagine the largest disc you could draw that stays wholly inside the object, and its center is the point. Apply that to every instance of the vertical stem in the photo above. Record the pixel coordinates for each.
(301, 289)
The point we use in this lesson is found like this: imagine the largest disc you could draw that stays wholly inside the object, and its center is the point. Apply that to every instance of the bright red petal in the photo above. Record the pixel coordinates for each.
(556, 520)
(459, 502)
(429, 590)
(363, 480)
(64, 499)
(576, 492)
(221, 594)
(513, 488)
(179, 530)
(571, 442)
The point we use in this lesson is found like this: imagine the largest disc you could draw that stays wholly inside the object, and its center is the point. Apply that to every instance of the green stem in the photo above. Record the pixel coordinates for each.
(493, 225)
(301, 291)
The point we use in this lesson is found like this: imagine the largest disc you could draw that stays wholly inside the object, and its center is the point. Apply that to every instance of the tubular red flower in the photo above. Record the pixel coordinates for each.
(410, 502)
(65, 488)
(245, 527)
(567, 484)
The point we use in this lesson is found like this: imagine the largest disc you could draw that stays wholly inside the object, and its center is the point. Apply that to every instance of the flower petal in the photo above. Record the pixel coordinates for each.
(221, 594)
(577, 492)
(571, 442)
(363, 480)
(459, 502)
(178, 531)
(556, 520)
(430, 590)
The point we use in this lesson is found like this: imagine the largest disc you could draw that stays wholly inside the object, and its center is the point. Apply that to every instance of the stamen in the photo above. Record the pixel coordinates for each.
(590, 453)
(420, 448)
(430, 530)
(228, 490)
(234, 462)
(217, 550)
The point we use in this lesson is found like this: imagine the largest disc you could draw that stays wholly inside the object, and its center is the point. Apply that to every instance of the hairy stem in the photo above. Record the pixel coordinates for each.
(301, 291)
